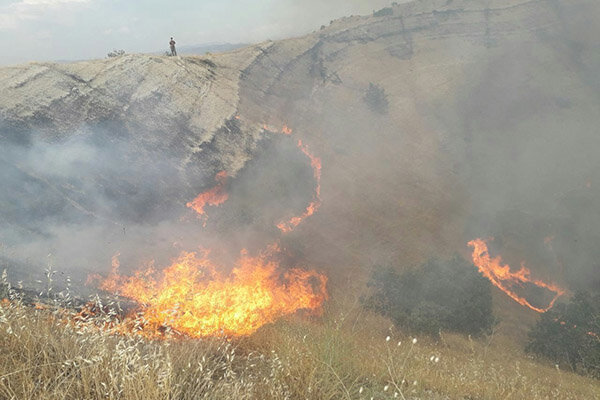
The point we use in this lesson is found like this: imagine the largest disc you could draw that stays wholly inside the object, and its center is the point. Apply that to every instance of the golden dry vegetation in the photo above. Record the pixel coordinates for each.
(48, 353)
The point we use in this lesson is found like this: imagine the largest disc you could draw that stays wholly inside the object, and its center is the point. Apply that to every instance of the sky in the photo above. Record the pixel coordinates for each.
(48, 30)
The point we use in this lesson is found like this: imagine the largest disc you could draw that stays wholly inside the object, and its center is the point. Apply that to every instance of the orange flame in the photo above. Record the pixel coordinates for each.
(215, 196)
(192, 297)
(503, 278)
(589, 333)
(548, 240)
(315, 163)
(286, 130)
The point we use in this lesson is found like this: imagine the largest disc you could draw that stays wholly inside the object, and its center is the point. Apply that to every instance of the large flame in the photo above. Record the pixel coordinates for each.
(315, 163)
(215, 196)
(504, 279)
(193, 297)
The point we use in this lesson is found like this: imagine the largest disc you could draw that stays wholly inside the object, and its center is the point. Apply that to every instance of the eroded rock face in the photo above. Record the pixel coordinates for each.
(139, 118)
(177, 104)
(432, 118)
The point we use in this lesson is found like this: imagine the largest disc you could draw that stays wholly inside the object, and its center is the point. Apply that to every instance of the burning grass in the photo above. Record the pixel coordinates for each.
(194, 298)
(214, 196)
(348, 354)
(315, 163)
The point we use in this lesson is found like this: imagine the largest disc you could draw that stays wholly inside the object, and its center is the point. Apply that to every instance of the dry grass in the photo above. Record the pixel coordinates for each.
(42, 357)
(343, 355)
(347, 352)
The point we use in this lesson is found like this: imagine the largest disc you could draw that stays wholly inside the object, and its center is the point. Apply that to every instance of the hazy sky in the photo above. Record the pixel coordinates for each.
(79, 29)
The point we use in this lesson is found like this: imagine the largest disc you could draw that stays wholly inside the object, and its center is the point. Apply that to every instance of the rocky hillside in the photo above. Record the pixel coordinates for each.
(436, 120)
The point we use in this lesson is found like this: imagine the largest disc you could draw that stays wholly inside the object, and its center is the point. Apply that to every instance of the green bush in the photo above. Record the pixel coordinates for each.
(384, 12)
(569, 334)
(376, 99)
(440, 295)
(116, 53)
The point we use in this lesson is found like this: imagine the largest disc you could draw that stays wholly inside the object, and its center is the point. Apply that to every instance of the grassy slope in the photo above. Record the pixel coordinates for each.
(328, 358)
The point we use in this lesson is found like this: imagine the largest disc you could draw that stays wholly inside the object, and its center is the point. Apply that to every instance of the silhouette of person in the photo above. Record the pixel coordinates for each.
(172, 45)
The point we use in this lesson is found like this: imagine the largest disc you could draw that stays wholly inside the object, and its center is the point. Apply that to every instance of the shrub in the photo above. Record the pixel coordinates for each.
(376, 99)
(569, 333)
(115, 53)
(384, 12)
(440, 295)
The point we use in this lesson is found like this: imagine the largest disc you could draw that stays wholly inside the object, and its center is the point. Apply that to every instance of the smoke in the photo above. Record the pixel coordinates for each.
(79, 199)
(72, 203)
(526, 145)
(489, 136)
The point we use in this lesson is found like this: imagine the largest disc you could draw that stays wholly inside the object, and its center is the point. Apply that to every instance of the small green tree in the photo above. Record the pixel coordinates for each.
(384, 12)
(569, 333)
(376, 99)
(440, 295)
(115, 53)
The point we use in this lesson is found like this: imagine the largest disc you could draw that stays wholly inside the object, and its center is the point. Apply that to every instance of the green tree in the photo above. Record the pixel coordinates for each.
(384, 12)
(376, 99)
(440, 295)
(569, 334)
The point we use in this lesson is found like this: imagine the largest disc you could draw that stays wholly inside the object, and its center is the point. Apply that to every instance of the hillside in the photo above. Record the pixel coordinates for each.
(461, 80)
(435, 122)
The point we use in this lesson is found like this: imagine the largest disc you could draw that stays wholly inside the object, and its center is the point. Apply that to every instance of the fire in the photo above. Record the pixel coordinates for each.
(94, 279)
(215, 196)
(503, 278)
(286, 130)
(315, 162)
(194, 298)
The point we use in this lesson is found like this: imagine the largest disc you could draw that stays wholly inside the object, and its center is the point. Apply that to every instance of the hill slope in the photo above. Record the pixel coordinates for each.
(437, 121)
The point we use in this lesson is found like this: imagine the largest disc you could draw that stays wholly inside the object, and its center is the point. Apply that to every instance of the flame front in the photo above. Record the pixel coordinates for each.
(215, 196)
(315, 163)
(286, 130)
(194, 298)
(503, 278)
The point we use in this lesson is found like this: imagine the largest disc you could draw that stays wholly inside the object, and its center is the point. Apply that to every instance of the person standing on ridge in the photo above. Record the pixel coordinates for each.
(172, 44)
